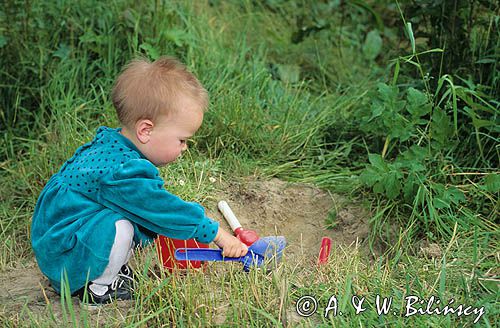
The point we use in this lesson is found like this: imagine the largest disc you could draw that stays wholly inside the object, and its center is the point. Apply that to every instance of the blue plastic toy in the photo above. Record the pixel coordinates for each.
(260, 252)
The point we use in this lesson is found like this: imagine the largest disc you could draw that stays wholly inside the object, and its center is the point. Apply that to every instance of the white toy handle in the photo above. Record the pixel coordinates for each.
(229, 215)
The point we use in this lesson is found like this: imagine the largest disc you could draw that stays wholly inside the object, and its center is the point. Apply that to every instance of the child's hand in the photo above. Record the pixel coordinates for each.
(231, 246)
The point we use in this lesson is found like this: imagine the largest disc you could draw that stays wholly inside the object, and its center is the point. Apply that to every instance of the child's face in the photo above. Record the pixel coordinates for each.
(169, 135)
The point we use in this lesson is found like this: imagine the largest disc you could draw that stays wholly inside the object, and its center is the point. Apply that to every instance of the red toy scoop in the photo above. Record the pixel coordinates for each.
(247, 237)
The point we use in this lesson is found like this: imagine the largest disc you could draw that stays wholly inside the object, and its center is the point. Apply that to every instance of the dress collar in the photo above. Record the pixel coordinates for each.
(126, 141)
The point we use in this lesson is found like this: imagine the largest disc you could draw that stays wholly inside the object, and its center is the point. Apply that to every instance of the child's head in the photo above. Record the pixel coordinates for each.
(159, 104)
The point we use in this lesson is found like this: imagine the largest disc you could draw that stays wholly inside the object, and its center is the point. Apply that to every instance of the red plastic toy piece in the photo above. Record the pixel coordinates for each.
(324, 251)
(247, 237)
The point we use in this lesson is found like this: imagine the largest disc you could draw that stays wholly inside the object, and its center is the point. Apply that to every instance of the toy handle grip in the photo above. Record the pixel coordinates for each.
(197, 254)
(229, 215)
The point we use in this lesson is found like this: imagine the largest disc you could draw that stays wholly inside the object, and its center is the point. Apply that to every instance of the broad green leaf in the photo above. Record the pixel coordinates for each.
(399, 128)
(372, 45)
(418, 103)
(378, 162)
(289, 73)
(151, 51)
(88, 37)
(369, 176)
(63, 51)
(441, 127)
(378, 188)
(176, 36)
(413, 159)
(409, 186)
(439, 202)
(392, 185)
(455, 195)
(444, 197)
(416, 97)
(492, 182)
(377, 109)
(438, 188)
(387, 93)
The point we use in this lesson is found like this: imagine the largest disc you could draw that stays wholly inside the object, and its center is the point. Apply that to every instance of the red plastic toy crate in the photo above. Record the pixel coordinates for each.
(166, 250)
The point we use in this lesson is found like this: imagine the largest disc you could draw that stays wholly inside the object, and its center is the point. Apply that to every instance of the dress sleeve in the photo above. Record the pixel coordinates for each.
(136, 191)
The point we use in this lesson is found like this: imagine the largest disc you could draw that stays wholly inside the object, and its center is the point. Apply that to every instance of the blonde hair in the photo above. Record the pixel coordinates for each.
(147, 89)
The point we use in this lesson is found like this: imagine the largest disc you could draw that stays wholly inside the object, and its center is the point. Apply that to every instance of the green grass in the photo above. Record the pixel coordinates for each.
(278, 109)
(224, 295)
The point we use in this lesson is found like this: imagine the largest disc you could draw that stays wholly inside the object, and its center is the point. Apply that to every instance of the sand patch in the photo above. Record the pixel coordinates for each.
(297, 211)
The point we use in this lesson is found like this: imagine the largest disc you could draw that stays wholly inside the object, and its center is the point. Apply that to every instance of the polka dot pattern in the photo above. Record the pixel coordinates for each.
(94, 160)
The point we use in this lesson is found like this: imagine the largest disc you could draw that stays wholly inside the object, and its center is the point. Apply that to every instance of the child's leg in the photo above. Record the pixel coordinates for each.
(119, 255)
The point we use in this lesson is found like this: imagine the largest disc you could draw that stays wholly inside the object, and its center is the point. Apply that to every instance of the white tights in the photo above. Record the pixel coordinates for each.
(120, 254)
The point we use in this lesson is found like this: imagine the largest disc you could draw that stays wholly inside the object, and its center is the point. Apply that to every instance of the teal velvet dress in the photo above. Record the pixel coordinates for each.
(106, 180)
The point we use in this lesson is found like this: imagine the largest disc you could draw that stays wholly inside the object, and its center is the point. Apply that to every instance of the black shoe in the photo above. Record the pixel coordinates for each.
(94, 294)
(127, 274)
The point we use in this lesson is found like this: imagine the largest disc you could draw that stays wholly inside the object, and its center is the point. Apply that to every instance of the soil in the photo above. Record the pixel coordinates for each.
(297, 211)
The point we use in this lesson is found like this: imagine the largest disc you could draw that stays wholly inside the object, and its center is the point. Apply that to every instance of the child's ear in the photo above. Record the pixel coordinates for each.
(143, 130)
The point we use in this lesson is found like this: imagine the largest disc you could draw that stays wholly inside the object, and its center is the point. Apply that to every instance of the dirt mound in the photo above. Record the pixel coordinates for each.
(297, 211)
(274, 207)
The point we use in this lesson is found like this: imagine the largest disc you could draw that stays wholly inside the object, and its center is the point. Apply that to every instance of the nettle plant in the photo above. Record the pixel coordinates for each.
(435, 139)
(421, 139)
(426, 137)
(408, 119)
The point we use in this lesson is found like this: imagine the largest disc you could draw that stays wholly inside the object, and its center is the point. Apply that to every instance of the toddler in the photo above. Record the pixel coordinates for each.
(109, 195)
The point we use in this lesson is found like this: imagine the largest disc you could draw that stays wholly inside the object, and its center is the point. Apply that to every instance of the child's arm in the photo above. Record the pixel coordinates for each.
(135, 190)
(231, 246)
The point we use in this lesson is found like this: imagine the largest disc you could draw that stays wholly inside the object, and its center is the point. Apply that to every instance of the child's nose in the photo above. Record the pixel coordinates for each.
(184, 146)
